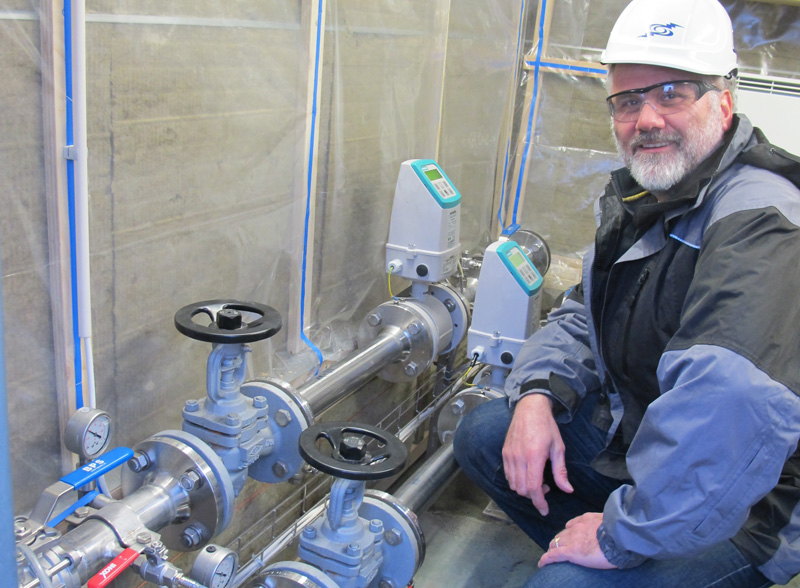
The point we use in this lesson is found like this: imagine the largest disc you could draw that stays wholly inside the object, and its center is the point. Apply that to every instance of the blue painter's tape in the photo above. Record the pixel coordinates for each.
(537, 64)
(73, 256)
(303, 336)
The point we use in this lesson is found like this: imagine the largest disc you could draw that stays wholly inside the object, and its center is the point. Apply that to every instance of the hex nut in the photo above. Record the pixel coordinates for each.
(283, 417)
(457, 406)
(191, 537)
(280, 469)
(192, 405)
(191, 480)
(144, 538)
(410, 369)
(139, 462)
(374, 320)
(259, 402)
(393, 537)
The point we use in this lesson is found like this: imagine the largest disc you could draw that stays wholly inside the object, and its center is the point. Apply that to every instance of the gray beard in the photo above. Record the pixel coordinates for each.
(658, 172)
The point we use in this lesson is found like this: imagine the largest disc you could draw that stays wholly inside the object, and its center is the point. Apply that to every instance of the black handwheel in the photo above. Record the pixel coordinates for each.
(228, 325)
(350, 456)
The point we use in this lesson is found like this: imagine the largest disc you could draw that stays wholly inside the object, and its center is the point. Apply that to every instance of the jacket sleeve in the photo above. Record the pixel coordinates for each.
(557, 360)
(728, 417)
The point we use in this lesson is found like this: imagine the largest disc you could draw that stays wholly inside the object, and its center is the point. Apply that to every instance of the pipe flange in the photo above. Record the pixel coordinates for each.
(458, 307)
(294, 574)
(171, 454)
(462, 403)
(404, 557)
(288, 416)
(425, 328)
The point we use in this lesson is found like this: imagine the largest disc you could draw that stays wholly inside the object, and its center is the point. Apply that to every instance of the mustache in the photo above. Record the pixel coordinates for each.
(654, 137)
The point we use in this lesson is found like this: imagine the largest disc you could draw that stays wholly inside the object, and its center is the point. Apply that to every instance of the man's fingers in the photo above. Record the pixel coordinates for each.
(553, 556)
(560, 471)
(537, 498)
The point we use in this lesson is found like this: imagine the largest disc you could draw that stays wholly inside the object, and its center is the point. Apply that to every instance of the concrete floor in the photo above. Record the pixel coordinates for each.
(468, 549)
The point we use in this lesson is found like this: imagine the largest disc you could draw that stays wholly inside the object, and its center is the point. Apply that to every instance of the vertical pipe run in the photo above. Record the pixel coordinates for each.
(7, 544)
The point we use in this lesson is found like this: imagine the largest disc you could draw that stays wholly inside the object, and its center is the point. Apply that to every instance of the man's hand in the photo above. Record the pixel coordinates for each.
(533, 438)
(578, 544)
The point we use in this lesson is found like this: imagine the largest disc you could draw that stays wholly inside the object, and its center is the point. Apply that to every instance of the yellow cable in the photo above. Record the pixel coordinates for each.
(389, 281)
(635, 197)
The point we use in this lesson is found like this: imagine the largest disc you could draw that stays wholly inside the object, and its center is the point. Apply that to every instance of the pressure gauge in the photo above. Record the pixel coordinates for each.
(88, 432)
(215, 567)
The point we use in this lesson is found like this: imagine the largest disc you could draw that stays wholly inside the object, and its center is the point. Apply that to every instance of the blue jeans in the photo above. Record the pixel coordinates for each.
(478, 445)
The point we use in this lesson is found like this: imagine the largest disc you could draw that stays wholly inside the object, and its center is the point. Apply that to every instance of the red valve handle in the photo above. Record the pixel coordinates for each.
(113, 569)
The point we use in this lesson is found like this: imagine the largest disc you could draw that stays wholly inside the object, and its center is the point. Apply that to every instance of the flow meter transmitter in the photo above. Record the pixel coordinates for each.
(507, 304)
(423, 244)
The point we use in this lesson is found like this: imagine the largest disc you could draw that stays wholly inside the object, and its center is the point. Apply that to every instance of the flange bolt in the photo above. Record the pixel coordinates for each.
(139, 462)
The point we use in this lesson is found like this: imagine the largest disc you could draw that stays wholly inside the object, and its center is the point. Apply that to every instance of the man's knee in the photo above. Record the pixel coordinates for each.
(481, 432)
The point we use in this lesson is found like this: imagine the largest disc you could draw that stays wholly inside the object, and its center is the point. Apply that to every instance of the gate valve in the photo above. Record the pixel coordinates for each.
(228, 323)
(346, 455)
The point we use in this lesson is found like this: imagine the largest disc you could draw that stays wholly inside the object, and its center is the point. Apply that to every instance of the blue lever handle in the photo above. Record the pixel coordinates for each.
(96, 468)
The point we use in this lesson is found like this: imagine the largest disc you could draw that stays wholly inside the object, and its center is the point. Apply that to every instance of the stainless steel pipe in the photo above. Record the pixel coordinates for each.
(429, 480)
(353, 371)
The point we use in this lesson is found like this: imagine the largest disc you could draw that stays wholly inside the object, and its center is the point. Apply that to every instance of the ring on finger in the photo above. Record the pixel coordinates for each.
(556, 540)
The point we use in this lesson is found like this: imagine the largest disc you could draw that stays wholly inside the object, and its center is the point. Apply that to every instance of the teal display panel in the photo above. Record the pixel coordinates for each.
(524, 272)
(437, 182)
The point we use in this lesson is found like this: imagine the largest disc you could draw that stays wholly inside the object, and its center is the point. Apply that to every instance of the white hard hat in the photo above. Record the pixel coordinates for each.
(690, 35)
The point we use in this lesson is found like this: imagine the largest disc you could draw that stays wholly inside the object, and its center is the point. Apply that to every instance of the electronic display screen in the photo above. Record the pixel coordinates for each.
(516, 259)
(433, 174)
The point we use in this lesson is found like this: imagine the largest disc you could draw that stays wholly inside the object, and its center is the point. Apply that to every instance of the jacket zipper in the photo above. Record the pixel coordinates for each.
(629, 324)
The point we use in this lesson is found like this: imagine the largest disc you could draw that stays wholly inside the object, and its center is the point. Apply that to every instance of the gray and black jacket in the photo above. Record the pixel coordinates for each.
(687, 324)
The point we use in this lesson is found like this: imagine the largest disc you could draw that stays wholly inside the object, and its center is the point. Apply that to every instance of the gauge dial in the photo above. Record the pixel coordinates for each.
(97, 435)
(88, 432)
(215, 567)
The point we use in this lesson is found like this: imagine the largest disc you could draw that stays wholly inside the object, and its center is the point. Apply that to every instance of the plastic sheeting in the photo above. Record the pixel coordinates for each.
(198, 130)
(567, 149)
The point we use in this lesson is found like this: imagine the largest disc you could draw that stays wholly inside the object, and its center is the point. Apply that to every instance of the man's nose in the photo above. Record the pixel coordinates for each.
(649, 118)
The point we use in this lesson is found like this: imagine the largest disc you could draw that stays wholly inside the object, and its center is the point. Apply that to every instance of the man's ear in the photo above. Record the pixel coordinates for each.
(726, 104)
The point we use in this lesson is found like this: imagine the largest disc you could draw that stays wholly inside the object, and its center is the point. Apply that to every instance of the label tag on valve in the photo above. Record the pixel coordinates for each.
(113, 569)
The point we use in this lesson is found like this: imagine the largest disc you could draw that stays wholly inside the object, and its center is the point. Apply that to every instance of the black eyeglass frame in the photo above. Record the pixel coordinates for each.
(703, 88)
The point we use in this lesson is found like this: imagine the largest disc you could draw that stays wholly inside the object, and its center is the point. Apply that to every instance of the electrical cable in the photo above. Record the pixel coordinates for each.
(469, 369)
(389, 281)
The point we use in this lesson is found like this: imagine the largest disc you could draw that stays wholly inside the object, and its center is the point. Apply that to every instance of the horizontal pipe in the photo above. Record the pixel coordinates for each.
(277, 545)
(353, 371)
(429, 480)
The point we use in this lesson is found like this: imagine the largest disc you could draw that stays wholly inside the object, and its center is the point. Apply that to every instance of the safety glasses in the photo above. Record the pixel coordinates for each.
(664, 98)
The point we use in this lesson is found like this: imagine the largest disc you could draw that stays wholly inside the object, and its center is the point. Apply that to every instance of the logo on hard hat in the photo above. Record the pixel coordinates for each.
(661, 30)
